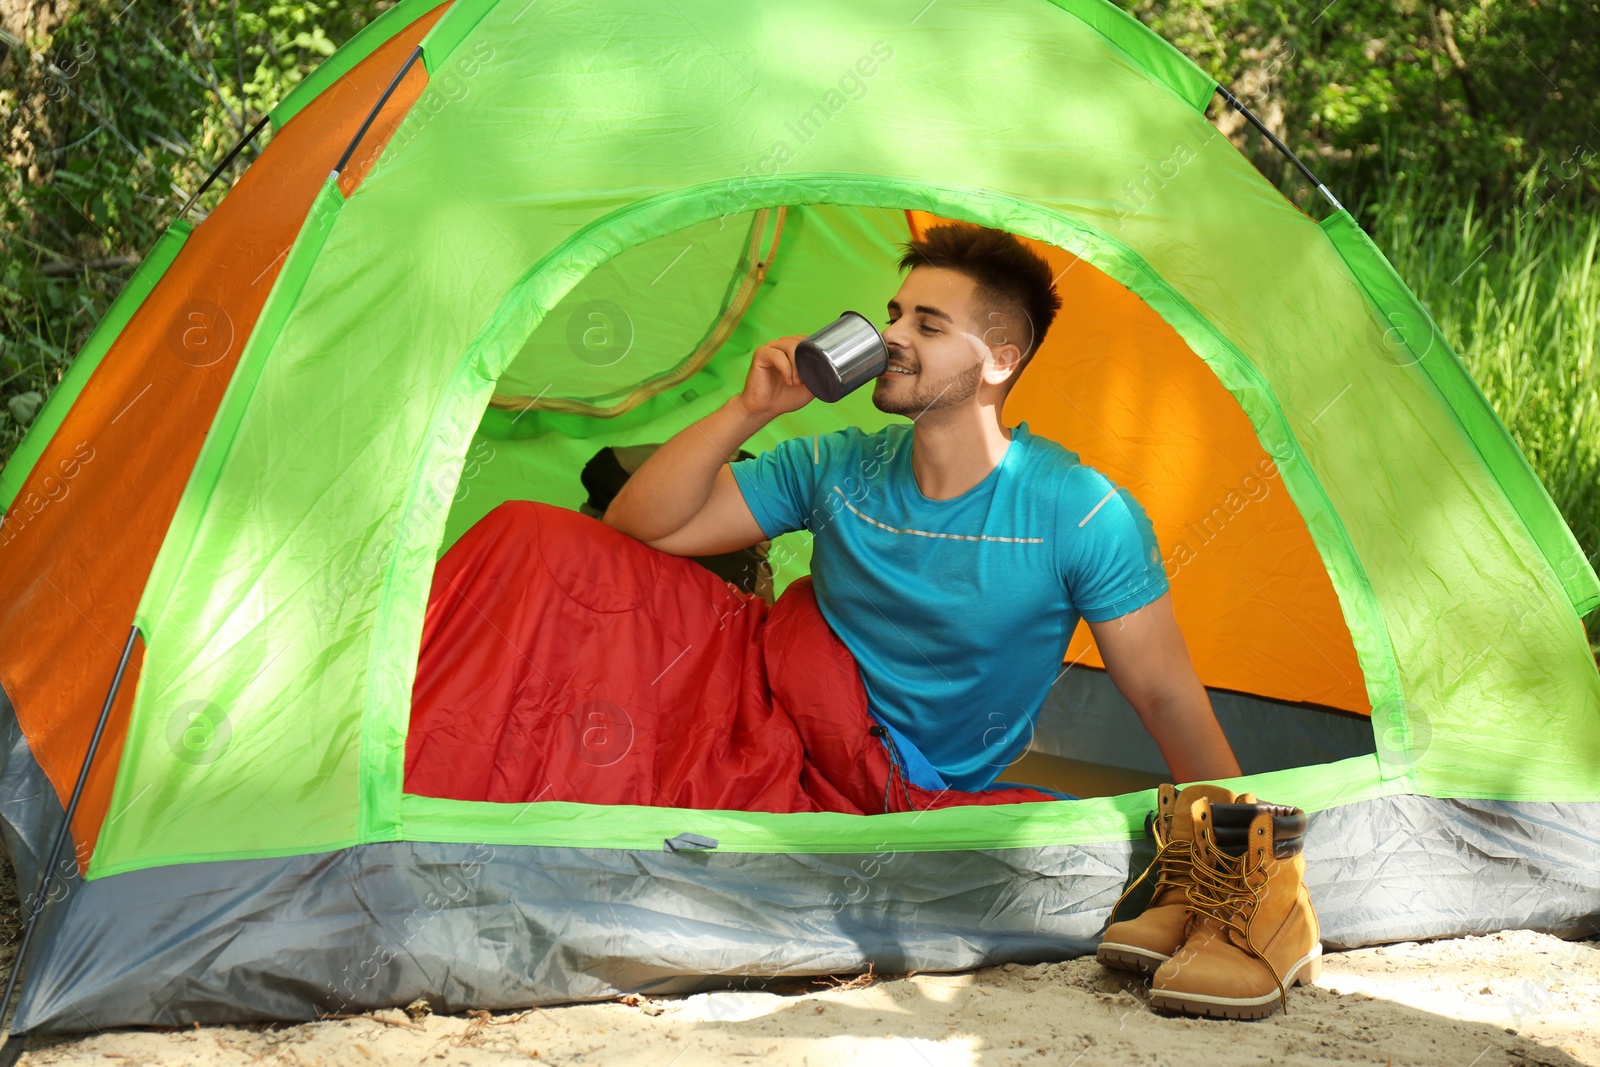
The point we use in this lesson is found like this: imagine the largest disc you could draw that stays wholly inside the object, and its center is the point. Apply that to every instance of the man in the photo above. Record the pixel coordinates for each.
(953, 555)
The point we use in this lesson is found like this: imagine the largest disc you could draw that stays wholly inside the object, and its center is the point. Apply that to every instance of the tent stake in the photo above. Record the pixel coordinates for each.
(1233, 102)
(12, 1050)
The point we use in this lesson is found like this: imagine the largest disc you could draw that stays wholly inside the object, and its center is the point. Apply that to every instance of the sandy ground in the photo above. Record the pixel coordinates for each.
(1511, 998)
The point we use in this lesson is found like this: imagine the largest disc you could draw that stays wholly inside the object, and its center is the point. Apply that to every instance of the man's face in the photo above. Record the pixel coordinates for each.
(939, 347)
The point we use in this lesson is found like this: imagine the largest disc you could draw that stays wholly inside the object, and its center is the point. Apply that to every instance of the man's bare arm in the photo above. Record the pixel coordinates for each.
(684, 499)
(1145, 654)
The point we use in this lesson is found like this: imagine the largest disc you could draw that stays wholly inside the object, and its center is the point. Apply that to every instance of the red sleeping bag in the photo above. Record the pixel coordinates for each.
(563, 660)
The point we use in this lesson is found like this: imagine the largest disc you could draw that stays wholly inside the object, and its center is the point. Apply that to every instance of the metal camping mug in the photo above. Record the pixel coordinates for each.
(841, 357)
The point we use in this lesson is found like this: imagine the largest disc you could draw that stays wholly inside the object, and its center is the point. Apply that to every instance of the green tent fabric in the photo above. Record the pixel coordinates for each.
(569, 168)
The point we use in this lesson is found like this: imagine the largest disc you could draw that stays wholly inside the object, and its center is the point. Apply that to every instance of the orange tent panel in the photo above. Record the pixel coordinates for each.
(119, 462)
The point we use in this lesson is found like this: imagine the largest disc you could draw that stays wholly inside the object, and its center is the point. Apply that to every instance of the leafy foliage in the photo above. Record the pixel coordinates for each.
(109, 118)
(1474, 93)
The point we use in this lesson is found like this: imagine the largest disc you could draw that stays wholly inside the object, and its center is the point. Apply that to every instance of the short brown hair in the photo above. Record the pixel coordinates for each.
(1010, 277)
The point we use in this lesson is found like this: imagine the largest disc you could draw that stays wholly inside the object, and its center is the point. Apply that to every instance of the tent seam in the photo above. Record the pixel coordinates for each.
(81, 371)
(369, 39)
(195, 500)
(1160, 43)
(1454, 365)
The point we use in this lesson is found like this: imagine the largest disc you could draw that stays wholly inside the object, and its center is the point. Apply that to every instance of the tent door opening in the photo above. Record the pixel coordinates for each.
(662, 334)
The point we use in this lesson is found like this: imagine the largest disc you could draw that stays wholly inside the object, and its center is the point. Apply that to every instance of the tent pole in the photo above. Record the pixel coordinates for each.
(257, 128)
(1233, 102)
(384, 99)
(246, 139)
(12, 1049)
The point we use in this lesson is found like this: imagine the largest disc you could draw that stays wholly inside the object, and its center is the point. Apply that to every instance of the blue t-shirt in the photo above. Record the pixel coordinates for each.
(958, 612)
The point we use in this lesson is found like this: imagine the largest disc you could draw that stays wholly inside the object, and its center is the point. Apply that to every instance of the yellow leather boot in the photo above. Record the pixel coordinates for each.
(1252, 932)
(1143, 944)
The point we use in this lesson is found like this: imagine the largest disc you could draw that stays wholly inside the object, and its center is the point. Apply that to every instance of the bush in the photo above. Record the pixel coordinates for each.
(1475, 93)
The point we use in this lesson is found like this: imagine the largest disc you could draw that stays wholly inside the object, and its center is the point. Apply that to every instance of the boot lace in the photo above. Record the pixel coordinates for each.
(1226, 888)
(1174, 860)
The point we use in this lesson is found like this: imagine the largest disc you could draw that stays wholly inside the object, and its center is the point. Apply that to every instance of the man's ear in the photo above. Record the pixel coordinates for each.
(1002, 364)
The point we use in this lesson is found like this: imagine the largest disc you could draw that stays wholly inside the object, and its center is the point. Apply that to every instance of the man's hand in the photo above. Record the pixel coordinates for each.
(773, 386)
(1149, 663)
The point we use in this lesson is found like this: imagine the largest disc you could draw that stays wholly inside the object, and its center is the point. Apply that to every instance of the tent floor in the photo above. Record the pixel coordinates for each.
(1078, 777)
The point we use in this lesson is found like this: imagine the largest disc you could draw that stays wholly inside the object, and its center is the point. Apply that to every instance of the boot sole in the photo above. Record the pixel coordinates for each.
(1129, 958)
(1304, 972)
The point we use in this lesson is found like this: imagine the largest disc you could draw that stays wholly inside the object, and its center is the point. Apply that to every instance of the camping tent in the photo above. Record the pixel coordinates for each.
(487, 239)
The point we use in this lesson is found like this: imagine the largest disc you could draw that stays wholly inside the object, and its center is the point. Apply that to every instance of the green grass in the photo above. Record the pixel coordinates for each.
(1517, 292)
